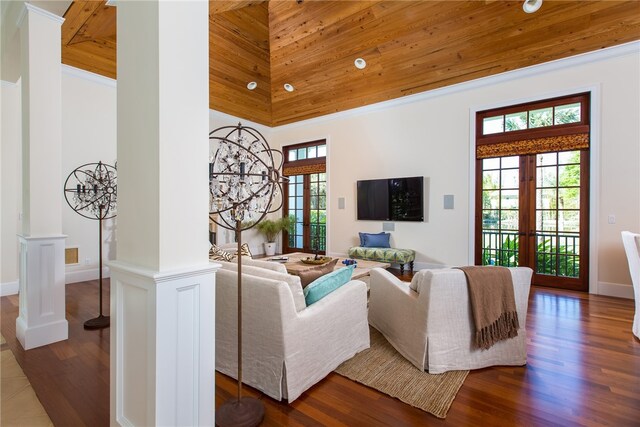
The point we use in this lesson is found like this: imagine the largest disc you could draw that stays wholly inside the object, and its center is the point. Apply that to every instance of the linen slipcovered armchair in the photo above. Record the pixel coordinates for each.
(287, 346)
(430, 323)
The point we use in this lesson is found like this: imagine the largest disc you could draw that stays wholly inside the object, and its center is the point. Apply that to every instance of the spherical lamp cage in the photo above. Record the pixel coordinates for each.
(244, 177)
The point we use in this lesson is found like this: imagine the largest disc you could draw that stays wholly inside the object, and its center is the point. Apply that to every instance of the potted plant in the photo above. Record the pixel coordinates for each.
(271, 229)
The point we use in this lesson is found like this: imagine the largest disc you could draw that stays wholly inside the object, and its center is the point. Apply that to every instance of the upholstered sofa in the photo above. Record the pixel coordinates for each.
(286, 346)
(430, 322)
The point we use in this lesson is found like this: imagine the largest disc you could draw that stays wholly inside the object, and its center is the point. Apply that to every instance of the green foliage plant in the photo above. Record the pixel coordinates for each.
(272, 228)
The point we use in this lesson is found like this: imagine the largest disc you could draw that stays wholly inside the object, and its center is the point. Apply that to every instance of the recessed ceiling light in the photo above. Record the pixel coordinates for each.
(288, 87)
(360, 63)
(531, 6)
(252, 85)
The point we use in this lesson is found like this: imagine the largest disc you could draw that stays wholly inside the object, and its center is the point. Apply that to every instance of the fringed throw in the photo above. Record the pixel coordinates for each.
(493, 304)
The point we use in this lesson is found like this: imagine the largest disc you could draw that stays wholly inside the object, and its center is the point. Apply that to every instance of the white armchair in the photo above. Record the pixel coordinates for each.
(631, 243)
(284, 350)
(430, 322)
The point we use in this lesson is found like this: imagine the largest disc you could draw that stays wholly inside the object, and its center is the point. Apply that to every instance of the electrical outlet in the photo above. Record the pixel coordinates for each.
(611, 219)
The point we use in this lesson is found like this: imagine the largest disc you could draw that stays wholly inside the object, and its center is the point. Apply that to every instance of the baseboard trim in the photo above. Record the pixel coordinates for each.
(76, 276)
(618, 290)
(9, 288)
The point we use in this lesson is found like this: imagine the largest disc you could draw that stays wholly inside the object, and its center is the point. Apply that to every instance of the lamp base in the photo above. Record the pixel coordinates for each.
(246, 412)
(97, 323)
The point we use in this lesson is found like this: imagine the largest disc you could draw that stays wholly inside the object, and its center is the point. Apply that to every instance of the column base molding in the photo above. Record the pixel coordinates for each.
(162, 345)
(41, 318)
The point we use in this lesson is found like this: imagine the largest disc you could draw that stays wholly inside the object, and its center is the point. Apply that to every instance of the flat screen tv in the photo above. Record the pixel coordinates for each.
(395, 199)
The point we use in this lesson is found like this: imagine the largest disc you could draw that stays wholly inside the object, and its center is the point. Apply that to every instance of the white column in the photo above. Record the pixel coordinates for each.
(162, 284)
(41, 318)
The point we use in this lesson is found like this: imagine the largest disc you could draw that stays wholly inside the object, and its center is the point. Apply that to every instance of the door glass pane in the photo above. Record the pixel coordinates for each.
(490, 219)
(546, 159)
(510, 162)
(569, 176)
(569, 198)
(491, 163)
(509, 220)
(490, 180)
(546, 220)
(557, 214)
(500, 215)
(510, 178)
(491, 199)
(547, 176)
(569, 221)
(509, 199)
(546, 198)
(567, 157)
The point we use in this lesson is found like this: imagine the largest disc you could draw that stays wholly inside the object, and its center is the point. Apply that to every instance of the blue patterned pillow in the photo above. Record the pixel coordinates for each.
(376, 240)
(324, 285)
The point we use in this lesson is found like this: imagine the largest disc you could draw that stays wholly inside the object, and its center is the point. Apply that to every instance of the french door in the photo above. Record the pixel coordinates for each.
(534, 212)
(306, 197)
(532, 198)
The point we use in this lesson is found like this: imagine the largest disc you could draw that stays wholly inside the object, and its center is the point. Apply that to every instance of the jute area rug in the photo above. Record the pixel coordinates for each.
(381, 367)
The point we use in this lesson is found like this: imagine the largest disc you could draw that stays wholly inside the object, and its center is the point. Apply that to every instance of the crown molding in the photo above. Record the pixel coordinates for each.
(558, 64)
(28, 7)
(88, 75)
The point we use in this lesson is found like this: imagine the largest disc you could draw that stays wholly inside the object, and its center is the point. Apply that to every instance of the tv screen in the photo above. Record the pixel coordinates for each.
(373, 199)
(395, 199)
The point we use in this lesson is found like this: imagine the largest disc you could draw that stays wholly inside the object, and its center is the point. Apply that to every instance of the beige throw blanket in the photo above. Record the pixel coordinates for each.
(493, 304)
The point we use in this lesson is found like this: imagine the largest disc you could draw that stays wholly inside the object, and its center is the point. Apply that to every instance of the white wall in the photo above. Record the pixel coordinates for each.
(88, 136)
(10, 184)
(429, 134)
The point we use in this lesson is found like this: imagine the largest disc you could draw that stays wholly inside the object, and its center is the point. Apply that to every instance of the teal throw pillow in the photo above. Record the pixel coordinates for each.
(324, 285)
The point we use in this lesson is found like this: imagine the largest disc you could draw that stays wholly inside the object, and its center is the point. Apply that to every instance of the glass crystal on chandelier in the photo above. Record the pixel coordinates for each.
(244, 179)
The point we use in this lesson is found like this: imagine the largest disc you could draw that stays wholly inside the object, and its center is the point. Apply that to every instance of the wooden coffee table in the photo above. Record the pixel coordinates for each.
(295, 266)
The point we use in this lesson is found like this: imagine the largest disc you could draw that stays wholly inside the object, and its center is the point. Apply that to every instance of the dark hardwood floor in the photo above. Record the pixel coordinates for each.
(583, 369)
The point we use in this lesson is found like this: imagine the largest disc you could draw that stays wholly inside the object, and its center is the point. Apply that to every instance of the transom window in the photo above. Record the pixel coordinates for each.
(543, 115)
(311, 152)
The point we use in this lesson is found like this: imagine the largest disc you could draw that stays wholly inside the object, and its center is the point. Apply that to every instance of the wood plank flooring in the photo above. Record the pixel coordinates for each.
(583, 369)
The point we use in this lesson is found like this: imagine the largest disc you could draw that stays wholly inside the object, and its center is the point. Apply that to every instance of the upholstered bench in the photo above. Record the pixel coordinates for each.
(390, 255)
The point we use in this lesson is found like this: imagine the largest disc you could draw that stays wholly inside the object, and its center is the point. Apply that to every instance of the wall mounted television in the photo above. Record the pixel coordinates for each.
(394, 199)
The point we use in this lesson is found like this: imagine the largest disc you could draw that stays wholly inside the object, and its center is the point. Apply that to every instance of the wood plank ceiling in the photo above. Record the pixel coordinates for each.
(409, 46)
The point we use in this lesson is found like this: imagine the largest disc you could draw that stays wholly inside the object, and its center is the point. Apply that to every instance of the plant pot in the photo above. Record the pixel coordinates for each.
(270, 248)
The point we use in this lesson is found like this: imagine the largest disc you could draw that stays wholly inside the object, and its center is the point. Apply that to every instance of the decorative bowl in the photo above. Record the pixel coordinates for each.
(320, 260)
